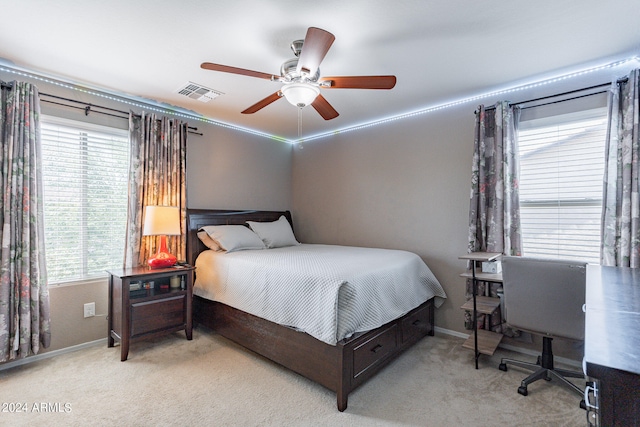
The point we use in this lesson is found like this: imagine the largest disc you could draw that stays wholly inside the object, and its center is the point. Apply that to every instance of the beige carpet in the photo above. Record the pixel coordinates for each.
(212, 382)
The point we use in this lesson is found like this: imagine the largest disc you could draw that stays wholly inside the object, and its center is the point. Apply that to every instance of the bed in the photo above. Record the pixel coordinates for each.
(340, 365)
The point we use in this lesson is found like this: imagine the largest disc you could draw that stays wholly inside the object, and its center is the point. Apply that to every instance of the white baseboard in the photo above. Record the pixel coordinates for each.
(437, 329)
(35, 358)
(451, 332)
(529, 352)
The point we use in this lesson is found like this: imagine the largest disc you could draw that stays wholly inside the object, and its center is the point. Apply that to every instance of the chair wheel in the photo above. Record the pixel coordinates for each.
(523, 390)
(502, 367)
(583, 404)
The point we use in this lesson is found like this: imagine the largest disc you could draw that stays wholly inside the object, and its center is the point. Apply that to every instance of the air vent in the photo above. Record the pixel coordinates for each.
(198, 92)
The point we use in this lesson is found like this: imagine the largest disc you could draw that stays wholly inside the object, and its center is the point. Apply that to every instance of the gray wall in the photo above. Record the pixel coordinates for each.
(405, 184)
(402, 185)
(226, 169)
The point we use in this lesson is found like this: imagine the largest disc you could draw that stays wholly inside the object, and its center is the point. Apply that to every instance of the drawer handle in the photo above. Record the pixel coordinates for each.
(591, 390)
(592, 408)
(376, 348)
(416, 323)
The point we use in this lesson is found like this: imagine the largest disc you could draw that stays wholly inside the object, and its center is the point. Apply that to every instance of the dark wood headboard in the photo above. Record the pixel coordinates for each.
(197, 218)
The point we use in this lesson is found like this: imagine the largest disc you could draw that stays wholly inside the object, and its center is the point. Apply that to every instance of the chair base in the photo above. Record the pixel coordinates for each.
(544, 369)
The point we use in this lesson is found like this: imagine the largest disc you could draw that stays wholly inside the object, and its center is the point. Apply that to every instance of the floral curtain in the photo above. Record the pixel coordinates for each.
(494, 209)
(157, 176)
(620, 243)
(24, 293)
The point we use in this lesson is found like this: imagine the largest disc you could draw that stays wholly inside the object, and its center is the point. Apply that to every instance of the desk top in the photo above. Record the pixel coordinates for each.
(612, 322)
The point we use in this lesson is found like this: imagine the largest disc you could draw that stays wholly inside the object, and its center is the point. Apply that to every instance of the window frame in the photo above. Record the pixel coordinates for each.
(54, 120)
(565, 113)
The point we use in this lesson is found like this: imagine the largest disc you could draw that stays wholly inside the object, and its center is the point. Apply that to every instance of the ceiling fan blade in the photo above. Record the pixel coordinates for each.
(316, 45)
(263, 103)
(323, 107)
(360, 82)
(235, 70)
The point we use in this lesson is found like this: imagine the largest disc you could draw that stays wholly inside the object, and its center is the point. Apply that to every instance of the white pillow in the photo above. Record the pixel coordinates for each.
(276, 234)
(234, 237)
(208, 241)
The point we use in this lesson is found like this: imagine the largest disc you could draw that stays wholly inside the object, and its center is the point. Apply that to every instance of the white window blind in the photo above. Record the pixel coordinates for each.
(85, 198)
(561, 171)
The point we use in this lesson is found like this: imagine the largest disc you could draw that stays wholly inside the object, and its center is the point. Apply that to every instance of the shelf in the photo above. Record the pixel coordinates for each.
(481, 256)
(485, 305)
(487, 342)
(487, 277)
(481, 341)
(153, 294)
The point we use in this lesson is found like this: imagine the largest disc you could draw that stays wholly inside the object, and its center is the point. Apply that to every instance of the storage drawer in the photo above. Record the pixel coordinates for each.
(418, 324)
(155, 315)
(377, 348)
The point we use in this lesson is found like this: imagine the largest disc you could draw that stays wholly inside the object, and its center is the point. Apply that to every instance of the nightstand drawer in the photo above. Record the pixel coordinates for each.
(377, 348)
(156, 315)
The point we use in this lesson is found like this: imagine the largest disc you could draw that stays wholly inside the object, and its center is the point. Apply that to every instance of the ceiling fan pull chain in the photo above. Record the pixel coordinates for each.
(299, 142)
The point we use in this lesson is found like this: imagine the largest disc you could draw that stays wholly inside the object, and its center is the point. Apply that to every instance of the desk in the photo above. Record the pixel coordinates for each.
(612, 342)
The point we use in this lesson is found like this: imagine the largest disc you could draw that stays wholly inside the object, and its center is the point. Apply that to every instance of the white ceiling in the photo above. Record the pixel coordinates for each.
(440, 50)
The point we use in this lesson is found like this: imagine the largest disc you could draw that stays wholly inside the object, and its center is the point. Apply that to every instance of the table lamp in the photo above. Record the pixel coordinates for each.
(162, 221)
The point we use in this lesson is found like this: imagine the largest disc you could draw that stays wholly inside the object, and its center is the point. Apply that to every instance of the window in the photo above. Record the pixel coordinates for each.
(561, 171)
(85, 171)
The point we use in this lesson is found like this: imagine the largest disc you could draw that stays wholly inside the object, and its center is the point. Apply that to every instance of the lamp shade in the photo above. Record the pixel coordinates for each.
(300, 94)
(161, 220)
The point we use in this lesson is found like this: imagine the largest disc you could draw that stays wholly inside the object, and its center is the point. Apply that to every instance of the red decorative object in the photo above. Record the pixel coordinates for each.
(163, 258)
(162, 221)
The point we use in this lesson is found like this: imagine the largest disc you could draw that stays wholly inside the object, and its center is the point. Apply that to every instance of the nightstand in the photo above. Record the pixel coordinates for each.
(143, 304)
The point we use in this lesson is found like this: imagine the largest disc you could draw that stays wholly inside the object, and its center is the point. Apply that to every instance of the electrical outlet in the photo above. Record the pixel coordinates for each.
(90, 309)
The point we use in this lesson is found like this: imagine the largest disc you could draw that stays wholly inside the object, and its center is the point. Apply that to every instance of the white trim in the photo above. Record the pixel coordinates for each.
(54, 353)
(437, 329)
(450, 332)
(80, 282)
(564, 360)
(535, 353)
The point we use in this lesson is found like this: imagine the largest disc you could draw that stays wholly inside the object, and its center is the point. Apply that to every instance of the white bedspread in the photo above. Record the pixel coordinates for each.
(329, 292)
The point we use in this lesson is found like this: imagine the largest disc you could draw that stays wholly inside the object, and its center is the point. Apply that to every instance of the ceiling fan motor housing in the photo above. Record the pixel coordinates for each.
(289, 73)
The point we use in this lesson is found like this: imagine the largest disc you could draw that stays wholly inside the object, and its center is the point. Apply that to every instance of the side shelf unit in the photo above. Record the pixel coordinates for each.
(482, 341)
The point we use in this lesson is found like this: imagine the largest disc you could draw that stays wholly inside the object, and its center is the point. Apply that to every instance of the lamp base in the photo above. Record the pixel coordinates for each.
(163, 258)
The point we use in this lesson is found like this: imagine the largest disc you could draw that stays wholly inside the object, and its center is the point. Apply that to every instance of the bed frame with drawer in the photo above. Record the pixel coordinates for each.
(340, 368)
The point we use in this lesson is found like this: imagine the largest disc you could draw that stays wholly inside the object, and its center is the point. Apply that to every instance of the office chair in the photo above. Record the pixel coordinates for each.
(544, 297)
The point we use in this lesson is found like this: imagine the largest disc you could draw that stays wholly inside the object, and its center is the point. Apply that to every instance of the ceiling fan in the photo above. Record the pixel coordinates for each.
(301, 76)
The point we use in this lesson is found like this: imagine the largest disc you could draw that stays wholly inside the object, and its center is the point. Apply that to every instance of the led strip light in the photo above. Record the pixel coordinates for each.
(139, 104)
(190, 115)
(473, 98)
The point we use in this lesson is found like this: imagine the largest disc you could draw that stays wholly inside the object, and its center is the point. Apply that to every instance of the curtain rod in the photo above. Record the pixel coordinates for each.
(621, 80)
(88, 108)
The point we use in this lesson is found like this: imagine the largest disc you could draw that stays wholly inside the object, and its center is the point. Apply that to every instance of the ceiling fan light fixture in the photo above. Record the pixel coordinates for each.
(300, 94)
